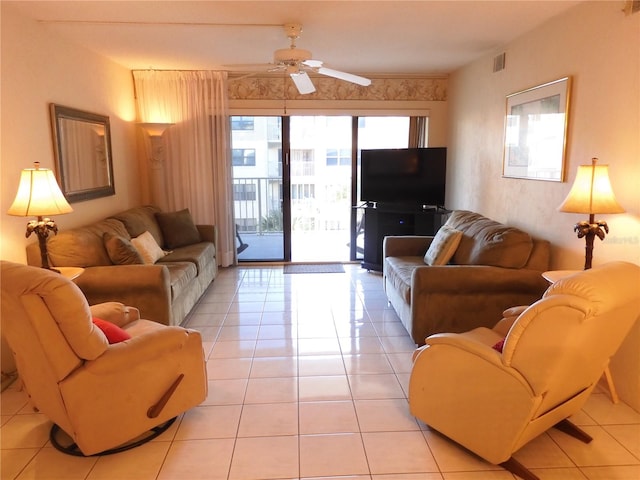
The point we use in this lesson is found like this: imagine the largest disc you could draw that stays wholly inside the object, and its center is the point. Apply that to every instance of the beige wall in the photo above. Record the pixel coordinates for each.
(38, 68)
(599, 47)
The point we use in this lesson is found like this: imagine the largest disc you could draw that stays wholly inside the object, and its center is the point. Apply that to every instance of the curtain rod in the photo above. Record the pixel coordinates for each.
(178, 70)
(159, 24)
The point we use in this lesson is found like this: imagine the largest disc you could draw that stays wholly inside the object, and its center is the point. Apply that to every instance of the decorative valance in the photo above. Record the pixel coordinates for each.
(382, 88)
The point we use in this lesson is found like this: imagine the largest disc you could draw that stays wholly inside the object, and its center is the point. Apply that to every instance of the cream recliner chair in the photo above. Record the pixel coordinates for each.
(553, 354)
(101, 395)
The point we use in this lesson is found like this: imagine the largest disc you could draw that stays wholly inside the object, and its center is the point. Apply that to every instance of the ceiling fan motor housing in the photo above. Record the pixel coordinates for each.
(291, 56)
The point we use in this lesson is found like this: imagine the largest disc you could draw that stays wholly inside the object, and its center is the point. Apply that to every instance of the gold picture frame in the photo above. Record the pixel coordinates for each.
(535, 132)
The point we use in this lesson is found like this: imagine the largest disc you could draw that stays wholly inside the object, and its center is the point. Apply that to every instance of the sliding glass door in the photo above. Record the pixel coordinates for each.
(256, 151)
(320, 169)
(296, 184)
(376, 132)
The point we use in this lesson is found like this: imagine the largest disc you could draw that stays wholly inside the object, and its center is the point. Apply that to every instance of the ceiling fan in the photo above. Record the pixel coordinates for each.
(297, 62)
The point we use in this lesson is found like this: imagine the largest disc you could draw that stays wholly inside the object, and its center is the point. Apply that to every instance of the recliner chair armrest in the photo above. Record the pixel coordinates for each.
(146, 347)
(461, 346)
(509, 316)
(457, 350)
(466, 343)
(406, 246)
(115, 312)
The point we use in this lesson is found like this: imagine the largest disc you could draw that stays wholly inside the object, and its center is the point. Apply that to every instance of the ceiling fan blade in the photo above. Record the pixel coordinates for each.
(349, 77)
(302, 82)
(313, 63)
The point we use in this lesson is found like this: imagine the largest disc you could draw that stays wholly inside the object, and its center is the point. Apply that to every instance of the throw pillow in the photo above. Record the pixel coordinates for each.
(113, 332)
(443, 246)
(178, 228)
(148, 248)
(120, 250)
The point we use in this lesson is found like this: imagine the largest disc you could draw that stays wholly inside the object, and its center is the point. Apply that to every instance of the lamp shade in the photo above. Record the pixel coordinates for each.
(591, 192)
(38, 195)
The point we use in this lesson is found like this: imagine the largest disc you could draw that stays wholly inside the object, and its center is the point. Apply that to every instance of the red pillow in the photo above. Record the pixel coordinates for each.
(113, 332)
(498, 346)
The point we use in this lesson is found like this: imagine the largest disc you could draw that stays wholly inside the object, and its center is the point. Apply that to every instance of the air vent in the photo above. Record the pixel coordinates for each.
(632, 6)
(498, 62)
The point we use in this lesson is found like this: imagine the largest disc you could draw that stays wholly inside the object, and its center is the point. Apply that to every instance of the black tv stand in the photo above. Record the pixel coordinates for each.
(403, 207)
(396, 219)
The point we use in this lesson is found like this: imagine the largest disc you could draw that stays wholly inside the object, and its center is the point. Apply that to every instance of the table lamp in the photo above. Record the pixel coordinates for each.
(591, 193)
(39, 196)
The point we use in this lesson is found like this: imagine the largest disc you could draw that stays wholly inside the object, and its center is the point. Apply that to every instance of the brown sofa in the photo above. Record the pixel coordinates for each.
(494, 267)
(164, 291)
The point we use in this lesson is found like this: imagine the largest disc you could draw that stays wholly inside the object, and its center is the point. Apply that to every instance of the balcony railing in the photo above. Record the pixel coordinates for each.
(320, 228)
(257, 204)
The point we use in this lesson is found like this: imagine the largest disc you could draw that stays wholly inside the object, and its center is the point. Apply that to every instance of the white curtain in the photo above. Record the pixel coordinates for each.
(191, 167)
(417, 132)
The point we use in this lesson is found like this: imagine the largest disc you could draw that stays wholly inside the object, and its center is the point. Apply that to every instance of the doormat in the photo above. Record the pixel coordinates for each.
(314, 268)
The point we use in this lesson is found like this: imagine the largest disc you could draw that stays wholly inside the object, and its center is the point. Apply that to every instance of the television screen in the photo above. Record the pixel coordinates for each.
(413, 176)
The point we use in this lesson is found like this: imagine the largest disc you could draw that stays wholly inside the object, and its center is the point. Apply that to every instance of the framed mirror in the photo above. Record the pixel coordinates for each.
(82, 145)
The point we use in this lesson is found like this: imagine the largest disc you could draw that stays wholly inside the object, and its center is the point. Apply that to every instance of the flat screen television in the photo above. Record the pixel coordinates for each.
(403, 176)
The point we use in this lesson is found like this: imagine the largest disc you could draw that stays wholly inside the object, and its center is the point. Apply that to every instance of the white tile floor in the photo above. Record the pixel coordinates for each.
(308, 377)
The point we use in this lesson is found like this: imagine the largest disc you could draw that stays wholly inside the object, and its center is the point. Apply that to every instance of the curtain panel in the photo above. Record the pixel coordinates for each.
(417, 132)
(190, 167)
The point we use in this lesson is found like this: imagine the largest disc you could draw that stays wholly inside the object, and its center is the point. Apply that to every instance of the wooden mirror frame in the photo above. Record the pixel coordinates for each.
(84, 171)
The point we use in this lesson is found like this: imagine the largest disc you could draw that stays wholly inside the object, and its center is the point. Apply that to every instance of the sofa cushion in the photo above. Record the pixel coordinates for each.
(398, 271)
(83, 246)
(120, 250)
(178, 228)
(180, 276)
(148, 249)
(487, 242)
(141, 219)
(443, 246)
(200, 254)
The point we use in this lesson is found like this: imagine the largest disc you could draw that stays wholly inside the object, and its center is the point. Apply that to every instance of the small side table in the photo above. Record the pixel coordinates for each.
(552, 276)
(70, 272)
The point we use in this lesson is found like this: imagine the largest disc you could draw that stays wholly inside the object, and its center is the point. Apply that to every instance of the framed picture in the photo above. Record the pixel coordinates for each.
(535, 132)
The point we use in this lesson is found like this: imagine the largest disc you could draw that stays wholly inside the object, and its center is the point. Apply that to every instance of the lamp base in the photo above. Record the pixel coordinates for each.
(42, 227)
(588, 250)
(589, 230)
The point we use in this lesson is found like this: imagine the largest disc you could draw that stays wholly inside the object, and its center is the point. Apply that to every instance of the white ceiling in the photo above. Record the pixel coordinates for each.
(411, 37)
